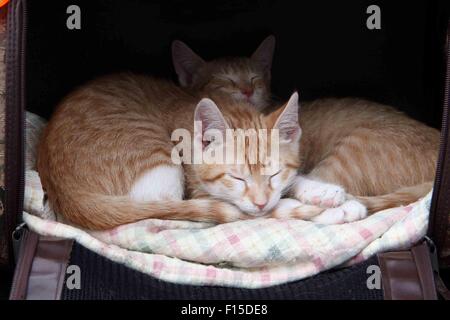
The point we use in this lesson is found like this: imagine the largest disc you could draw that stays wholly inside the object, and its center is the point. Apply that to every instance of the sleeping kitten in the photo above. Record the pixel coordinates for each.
(106, 158)
(242, 79)
(369, 150)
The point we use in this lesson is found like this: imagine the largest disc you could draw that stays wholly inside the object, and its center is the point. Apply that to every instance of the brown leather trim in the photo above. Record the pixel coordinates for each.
(41, 268)
(27, 250)
(422, 259)
(48, 271)
(408, 275)
(442, 288)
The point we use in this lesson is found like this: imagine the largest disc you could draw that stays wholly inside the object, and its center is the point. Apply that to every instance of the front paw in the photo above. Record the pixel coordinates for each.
(294, 209)
(318, 193)
(350, 211)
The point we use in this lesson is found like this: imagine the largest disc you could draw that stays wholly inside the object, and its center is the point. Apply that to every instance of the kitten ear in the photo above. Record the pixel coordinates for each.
(287, 122)
(264, 54)
(209, 116)
(186, 62)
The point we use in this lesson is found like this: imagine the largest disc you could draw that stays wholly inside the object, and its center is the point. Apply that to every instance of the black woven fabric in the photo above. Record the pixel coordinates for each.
(104, 279)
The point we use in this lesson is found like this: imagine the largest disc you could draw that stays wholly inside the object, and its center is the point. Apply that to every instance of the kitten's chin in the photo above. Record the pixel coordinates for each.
(257, 214)
(258, 102)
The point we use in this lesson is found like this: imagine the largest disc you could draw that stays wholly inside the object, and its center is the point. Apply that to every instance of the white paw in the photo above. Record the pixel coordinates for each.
(349, 211)
(294, 209)
(285, 208)
(318, 193)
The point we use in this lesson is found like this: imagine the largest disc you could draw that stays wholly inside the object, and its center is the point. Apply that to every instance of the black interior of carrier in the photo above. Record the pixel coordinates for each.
(323, 47)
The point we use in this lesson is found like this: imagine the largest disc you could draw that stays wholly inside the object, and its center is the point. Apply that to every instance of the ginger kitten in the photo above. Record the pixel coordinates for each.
(241, 78)
(106, 157)
(366, 149)
(370, 150)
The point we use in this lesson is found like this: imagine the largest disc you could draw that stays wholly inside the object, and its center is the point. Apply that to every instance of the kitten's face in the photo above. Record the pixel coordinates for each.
(253, 187)
(241, 79)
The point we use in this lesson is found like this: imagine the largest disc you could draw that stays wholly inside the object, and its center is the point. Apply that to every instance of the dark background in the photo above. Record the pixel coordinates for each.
(323, 47)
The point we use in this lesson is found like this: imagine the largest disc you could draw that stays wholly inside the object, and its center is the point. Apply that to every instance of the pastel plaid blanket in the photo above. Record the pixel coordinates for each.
(250, 254)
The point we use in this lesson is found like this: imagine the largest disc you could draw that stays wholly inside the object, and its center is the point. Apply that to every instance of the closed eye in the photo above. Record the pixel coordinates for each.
(237, 178)
(253, 79)
(276, 174)
(233, 83)
(217, 87)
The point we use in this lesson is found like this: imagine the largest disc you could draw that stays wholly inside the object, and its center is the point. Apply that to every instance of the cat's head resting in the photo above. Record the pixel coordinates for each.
(253, 186)
(241, 78)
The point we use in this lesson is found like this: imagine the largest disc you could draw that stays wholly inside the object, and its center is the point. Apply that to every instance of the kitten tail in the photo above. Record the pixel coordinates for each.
(113, 211)
(401, 197)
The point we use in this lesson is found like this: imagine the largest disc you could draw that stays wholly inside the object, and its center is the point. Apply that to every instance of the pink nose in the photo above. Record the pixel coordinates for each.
(248, 92)
(261, 206)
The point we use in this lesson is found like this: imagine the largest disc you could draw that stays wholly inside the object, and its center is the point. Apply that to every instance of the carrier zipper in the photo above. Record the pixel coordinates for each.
(14, 155)
(21, 189)
(17, 243)
(28, 246)
(436, 229)
(17, 237)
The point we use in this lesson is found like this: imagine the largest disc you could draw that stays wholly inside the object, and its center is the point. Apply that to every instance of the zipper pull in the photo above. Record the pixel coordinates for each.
(433, 255)
(17, 237)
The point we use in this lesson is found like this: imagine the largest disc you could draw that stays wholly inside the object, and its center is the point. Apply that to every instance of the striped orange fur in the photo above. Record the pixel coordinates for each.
(238, 78)
(105, 156)
(378, 155)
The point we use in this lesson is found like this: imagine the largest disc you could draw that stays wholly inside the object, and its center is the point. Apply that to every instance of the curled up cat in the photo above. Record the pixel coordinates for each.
(351, 148)
(106, 157)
